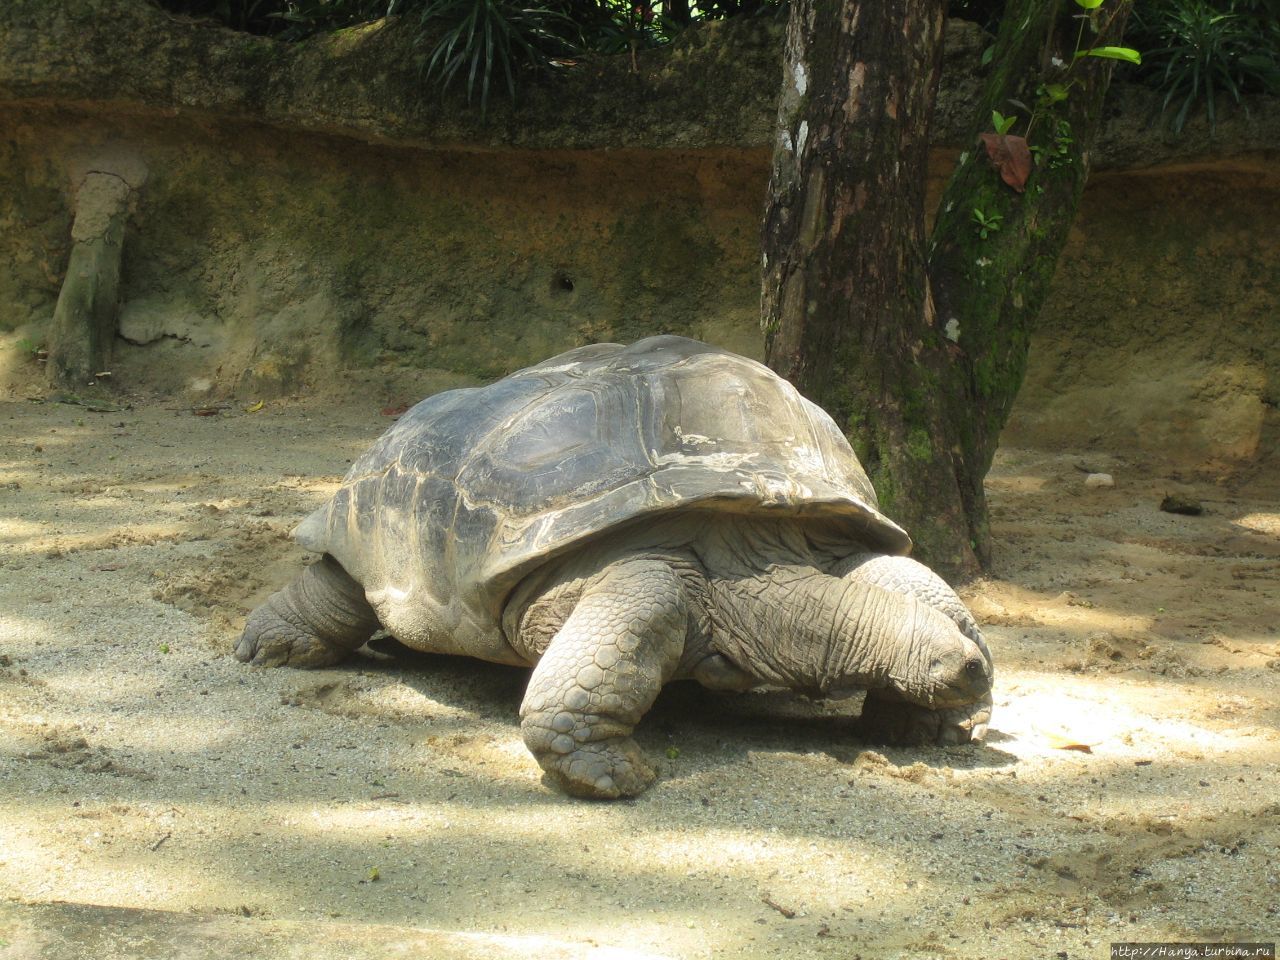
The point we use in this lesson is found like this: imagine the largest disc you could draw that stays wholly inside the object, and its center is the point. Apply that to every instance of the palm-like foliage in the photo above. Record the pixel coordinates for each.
(1202, 50)
(1193, 50)
(481, 39)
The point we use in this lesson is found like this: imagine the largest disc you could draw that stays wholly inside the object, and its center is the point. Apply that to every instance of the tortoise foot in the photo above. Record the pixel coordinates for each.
(272, 640)
(316, 621)
(895, 722)
(605, 769)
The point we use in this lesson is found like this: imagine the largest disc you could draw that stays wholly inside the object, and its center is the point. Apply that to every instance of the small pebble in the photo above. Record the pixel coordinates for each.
(1183, 505)
(1095, 480)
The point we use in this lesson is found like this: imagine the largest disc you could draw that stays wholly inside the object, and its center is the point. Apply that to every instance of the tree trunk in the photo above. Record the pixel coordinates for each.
(84, 320)
(988, 291)
(849, 291)
(678, 12)
(846, 309)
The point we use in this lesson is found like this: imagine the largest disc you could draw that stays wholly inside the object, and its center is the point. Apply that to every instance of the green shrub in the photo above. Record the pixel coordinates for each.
(1196, 50)
(476, 39)
(482, 43)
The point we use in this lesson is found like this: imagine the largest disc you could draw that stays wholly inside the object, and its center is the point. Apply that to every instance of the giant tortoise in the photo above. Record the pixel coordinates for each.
(621, 516)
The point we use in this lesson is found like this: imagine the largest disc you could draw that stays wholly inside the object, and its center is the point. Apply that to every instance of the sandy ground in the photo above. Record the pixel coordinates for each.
(157, 798)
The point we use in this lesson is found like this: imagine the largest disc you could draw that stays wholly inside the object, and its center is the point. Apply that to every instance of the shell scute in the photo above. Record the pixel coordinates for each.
(580, 441)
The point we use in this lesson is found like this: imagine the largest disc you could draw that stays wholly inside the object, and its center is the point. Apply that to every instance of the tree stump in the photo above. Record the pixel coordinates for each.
(84, 320)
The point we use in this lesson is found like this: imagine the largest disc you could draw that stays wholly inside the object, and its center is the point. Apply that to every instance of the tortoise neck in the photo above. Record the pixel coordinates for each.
(796, 626)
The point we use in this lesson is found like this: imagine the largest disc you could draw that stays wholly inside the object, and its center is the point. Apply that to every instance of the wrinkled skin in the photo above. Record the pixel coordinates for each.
(730, 600)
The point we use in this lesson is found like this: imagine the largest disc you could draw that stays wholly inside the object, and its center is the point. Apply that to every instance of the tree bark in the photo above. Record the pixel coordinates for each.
(84, 319)
(988, 291)
(846, 308)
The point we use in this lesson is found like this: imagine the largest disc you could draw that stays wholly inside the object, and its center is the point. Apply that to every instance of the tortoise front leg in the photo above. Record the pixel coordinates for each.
(888, 718)
(317, 620)
(601, 672)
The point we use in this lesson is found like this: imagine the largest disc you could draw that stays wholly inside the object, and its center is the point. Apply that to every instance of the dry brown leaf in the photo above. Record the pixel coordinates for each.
(1011, 156)
(1061, 740)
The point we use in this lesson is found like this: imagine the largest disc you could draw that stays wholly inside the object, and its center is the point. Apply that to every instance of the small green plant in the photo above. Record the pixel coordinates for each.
(1090, 18)
(1002, 123)
(987, 223)
(164, 648)
(33, 351)
(1013, 155)
(1203, 49)
(484, 38)
(1058, 152)
(1050, 94)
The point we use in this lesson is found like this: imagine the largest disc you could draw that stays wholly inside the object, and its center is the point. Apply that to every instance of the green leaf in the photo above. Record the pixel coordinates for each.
(1088, 4)
(1057, 92)
(1127, 54)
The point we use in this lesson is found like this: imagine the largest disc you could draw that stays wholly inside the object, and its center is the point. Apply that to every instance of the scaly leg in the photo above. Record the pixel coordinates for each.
(316, 621)
(600, 674)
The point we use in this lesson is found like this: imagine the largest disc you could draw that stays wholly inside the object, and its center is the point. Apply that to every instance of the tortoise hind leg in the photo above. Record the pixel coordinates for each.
(316, 621)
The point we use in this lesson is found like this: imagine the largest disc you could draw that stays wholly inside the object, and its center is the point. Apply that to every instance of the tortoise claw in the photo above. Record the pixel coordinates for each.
(604, 770)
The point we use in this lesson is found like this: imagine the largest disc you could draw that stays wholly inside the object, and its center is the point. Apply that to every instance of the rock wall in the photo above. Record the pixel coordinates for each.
(311, 222)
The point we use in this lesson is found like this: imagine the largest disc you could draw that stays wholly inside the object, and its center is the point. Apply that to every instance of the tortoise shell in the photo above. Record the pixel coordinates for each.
(472, 489)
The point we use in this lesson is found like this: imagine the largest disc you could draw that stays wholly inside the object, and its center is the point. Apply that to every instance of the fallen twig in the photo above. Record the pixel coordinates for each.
(770, 902)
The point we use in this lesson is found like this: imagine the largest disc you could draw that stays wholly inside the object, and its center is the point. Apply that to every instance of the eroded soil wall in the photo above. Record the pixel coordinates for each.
(260, 262)
(1161, 333)
(267, 262)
